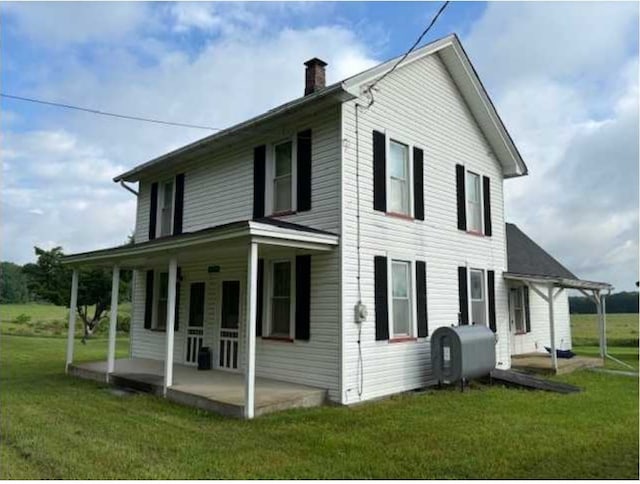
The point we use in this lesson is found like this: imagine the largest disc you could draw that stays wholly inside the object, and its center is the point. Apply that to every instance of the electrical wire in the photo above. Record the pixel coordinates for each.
(411, 49)
(107, 113)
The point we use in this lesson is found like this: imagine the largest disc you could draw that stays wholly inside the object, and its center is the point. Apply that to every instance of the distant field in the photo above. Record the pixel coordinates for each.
(43, 319)
(622, 329)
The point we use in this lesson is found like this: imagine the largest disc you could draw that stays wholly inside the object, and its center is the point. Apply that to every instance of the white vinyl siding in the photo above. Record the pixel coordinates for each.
(399, 179)
(219, 190)
(420, 105)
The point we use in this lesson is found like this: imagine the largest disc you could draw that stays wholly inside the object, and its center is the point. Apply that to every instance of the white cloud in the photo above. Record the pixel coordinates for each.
(565, 80)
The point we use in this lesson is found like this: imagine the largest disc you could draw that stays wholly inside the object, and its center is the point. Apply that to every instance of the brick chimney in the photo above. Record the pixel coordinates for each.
(314, 78)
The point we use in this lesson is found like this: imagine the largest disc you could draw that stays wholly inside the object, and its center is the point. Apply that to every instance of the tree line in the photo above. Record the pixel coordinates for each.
(49, 281)
(621, 302)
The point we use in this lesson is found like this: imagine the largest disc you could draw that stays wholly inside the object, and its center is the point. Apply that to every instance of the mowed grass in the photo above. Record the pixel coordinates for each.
(622, 329)
(54, 426)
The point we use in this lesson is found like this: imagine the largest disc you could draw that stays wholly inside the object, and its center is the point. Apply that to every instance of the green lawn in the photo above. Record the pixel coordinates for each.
(54, 426)
(622, 329)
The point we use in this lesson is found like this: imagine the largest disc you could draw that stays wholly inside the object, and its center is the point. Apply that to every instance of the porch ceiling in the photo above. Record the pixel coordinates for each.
(227, 238)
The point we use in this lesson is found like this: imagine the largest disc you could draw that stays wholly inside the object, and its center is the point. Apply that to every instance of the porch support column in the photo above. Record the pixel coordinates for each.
(113, 320)
(603, 298)
(171, 316)
(73, 304)
(250, 366)
(599, 298)
(552, 330)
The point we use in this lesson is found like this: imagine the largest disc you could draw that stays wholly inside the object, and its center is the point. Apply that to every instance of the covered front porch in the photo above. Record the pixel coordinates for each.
(219, 283)
(214, 390)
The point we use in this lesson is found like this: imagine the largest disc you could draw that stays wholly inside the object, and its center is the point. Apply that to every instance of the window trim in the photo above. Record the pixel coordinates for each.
(413, 324)
(389, 138)
(160, 202)
(268, 294)
(485, 285)
(468, 172)
(270, 176)
(156, 300)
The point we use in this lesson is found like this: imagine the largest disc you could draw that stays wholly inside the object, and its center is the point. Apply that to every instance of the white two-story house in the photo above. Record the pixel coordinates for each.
(318, 245)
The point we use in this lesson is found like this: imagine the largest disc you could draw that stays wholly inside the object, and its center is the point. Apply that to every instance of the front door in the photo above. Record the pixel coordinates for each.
(195, 325)
(229, 324)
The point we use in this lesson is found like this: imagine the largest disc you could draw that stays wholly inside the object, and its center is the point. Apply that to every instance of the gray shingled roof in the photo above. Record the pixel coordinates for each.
(524, 256)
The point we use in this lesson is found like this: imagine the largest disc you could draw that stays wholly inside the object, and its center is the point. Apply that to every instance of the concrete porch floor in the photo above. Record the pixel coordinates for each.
(541, 363)
(213, 390)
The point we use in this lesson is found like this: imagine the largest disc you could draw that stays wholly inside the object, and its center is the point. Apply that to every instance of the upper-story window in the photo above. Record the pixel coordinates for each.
(399, 199)
(283, 177)
(165, 212)
(474, 203)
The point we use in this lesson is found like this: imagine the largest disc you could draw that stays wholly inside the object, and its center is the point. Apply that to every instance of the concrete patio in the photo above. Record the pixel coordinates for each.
(541, 363)
(213, 390)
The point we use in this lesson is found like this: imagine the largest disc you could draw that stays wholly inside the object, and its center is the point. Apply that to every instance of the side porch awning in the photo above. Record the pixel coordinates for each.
(530, 264)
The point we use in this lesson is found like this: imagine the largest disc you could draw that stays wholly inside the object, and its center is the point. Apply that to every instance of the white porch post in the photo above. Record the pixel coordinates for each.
(552, 330)
(115, 288)
(171, 316)
(603, 298)
(599, 300)
(252, 292)
(72, 318)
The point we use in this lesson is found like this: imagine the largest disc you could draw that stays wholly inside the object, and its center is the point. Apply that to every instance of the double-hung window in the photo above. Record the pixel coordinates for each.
(399, 182)
(283, 177)
(402, 321)
(165, 214)
(478, 297)
(518, 307)
(474, 203)
(281, 307)
(161, 301)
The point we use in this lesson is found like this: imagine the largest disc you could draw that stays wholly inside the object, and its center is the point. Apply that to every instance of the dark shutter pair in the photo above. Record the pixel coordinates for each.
(380, 176)
(463, 297)
(303, 169)
(148, 303)
(461, 196)
(303, 297)
(381, 280)
(178, 207)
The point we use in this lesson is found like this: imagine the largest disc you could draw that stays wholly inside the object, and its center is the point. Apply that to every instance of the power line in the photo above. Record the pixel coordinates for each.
(106, 113)
(411, 49)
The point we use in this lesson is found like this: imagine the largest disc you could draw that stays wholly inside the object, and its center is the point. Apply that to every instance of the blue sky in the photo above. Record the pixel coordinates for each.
(564, 77)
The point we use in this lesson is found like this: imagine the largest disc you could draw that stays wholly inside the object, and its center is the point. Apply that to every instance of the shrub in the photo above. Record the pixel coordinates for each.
(124, 323)
(22, 318)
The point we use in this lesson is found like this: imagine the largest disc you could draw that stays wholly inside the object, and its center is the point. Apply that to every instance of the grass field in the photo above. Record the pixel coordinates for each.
(622, 329)
(54, 426)
(43, 319)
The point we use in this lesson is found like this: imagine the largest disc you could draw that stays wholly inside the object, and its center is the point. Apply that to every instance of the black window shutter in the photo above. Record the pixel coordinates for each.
(486, 196)
(303, 296)
(379, 172)
(462, 295)
(461, 197)
(259, 167)
(304, 171)
(491, 291)
(380, 297)
(418, 184)
(178, 206)
(176, 322)
(148, 301)
(421, 298)
(527, 311)
(260, 297)
(153, 210)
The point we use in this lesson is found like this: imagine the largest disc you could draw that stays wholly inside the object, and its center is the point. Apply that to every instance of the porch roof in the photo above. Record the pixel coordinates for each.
(264, 231)
(557, 281)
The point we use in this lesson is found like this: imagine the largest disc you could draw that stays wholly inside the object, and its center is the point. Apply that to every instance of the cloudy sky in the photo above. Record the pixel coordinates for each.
(564, 77)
